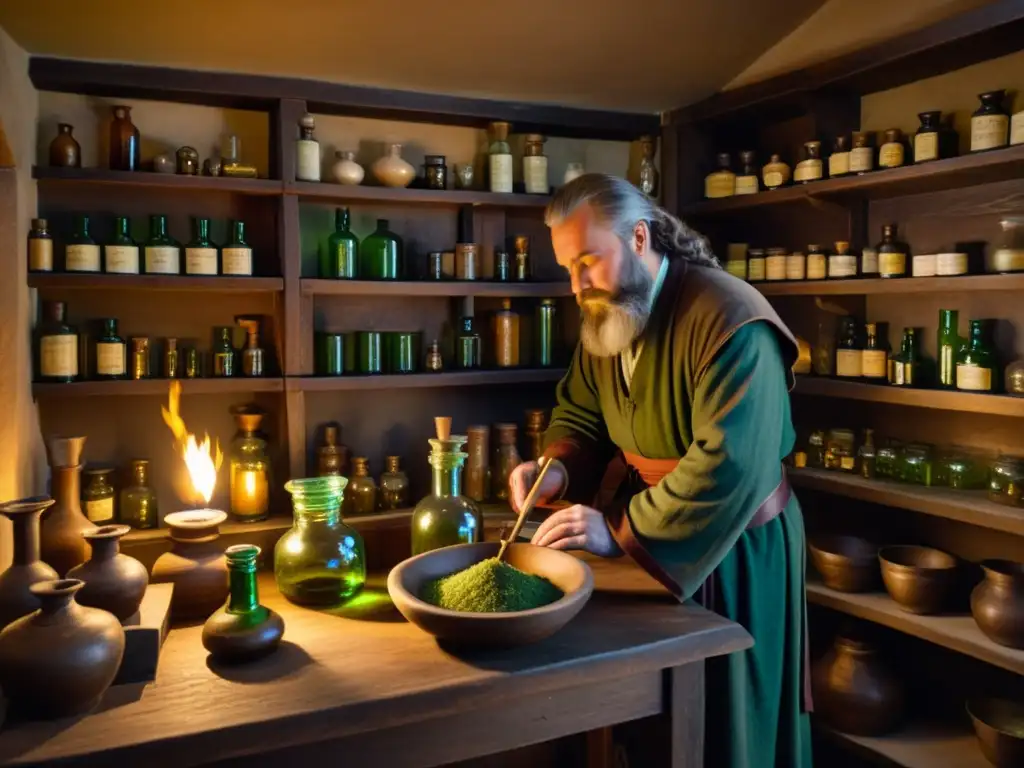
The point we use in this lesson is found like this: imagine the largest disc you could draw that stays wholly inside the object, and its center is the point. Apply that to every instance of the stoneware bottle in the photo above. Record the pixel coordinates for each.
(242, 630)
(195, 564)
(64, 150)
(61, 543)
(113, 581)
(59, 660)
(346, 170)
(16, 599)
(391, 170)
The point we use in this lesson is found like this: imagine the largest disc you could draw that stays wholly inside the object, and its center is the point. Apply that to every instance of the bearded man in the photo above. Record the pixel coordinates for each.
(678, 397)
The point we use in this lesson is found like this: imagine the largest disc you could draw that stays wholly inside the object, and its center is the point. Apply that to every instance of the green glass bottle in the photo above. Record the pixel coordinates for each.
(949, 344)
(200, 252)
(138, 506)
(446, 517)
(223, 352)
(849, 354)
(380, 256)
(340, 258)
(545, 331)
(81, 253)
(111, 352)
(56, 345)
(976, 363)
(162, 252)
(236, 255)
(467, 345)
(905, 368)
(361, 494)
(122, 253)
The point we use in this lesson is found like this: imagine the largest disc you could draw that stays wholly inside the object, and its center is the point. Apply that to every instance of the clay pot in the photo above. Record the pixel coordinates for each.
(846, 563)
(195, 564)
(61, 542)
(16, 599)
(346, 170)
(59, 660)
(242, 630)
(919, 579)
(854, 691)
(391, 170)
(999, 725)
(64, 150)
(997, 603)
(113, 581)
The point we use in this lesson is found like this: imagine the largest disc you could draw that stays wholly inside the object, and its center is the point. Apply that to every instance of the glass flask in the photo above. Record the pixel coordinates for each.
(446, 517)
(917, 466)
(361, 498)
(138, 501)
(319, 561)
(394, 485)
(250, 469)
(962, 469)
(839, 450)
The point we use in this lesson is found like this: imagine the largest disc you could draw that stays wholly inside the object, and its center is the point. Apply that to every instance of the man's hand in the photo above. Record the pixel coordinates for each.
(525, 475)
(577, 527)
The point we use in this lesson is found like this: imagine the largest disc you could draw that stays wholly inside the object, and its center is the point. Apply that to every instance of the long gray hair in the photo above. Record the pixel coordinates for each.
(621, 205)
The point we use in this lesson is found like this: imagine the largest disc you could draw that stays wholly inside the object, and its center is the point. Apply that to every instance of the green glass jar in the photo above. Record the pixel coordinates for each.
(468, 347)
(976, 363)
(402, 349)
(961, 469)
(887, 460)
(138, 501)
(1006, 481)
(98, 495)
(446, 517)
(223, 352)
(250, 469)
(340, 257)
(162, 252)
(361, 497)
(81, 253)
(330, 354)
(370, 352)
(380, 256)
(319, 561)
(917, 466)
(394, 485)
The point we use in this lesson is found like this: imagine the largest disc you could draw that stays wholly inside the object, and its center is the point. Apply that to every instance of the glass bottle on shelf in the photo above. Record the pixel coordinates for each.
(839, 450)
(1013, 378)
(499, 158)
(775, 173)
(223, 352)
(722, 181)
(478, 463)
(976, 362)
(839, 160)
(394, 485)
(319, 561)
(40, 247)
(849, 353)
(544, 329)
(905, 369)
(522, 246)
(81, 253)
(111, 352)
(842, 265)
(816, 450)
(332, 456)
(990, 123)
(506, 336)
(124, 141)
(747, 181)
(56, 345)
(361, 495)
(796, 266)
(307, 151)
(138, 507)
(933, 140)
(506, 459)
(862, 155)
(536, 423)
(866, 455)
(445, 517)
(916, 466)
(467, 345)
(1008, 255)
(380, 256)
(535, 166)
(648, 170)
(162, 252)
(236, 255)
(817, 263)
(810, 167)
(875, 356)
(756, 265)
(434, 362)
(121, 253)
(572, 172)
(340, 257)
(949, 343)
(249, 468)
(200, 252)
(892, 254)
(891, 154)
(98, 495)
(775, 264)
(869, 262)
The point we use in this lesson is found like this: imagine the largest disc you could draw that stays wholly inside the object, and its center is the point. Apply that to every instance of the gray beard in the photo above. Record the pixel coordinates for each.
(610, 323)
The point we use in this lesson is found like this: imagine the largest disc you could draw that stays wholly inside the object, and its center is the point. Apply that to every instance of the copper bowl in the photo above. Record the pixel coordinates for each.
(919, 579)
(846, 563)
(489, 630)
(999, 725)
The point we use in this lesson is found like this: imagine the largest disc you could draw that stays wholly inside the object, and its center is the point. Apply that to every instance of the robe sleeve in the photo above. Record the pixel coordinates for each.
(690, 520)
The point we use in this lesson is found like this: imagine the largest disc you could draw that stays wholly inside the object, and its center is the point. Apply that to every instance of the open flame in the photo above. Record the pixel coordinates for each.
(202, 459)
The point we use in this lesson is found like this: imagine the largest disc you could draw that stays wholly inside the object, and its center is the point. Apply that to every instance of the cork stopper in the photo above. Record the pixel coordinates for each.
(842, 246)
(500, 130)
(443, 427)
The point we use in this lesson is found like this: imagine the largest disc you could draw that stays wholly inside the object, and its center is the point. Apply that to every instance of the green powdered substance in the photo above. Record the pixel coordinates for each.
(490, 587)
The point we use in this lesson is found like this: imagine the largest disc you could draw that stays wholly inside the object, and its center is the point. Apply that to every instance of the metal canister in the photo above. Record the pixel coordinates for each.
(403, 351)
(330, 354)
(545, 332)
(369, 352)
(140, 357)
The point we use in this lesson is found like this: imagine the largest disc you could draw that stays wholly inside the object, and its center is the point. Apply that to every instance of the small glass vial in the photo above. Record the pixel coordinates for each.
(796, 266)
(891, 154)
(223, 352)
(839, 160)
(111, 352)
(648, 170)
(499, 158)
(121, 253)
(747, 181)
(40, 247)
(138, 505)
(817, 263)
(810, 168)
(862, 156)
(866, 455)
(140, 358)
(522, 244)
(775, 173)
(81, 253)
(236, 255)
(172, 356)
(361, 492)
(842, 265)
(394, 486)
(990, 123)
(544, 332)
(721, 182)
(892, 254)
(535, 166)
(466, 261)
(435, 360)
(1008, 255)
(775, 264)
(98, 495)
(307, 151)
(755, 265)
(435, 171)
(192, 363)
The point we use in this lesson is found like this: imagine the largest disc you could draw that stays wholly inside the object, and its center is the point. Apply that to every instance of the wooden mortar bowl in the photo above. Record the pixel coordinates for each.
(846, 563)
(919, 579)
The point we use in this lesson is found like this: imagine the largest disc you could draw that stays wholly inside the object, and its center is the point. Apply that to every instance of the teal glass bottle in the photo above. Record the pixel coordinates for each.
(340, 259)
(976, 363)
(122, 253)
(81, 253)
(380, 256)
(446, 517)
(949, 343)
(162, 252)
(223, 352)
(111, 352)
(319, 561)
(201, 254)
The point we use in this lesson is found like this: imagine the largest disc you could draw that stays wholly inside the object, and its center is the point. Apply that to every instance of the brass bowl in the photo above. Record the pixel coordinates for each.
(919, 579)
(999, 725)
(846, 563)
(489, 630)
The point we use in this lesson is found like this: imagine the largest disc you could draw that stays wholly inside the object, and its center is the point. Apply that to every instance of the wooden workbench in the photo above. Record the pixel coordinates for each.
(362, 683)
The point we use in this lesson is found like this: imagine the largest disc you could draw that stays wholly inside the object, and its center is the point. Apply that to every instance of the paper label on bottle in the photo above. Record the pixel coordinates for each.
(838, 163)
(40, 254)
(892, 264)
(737, 268)
(874, 363)
(869, 262)
(122, 259)
(926, 147)
(862, 159)
(816, 266)
(163, 260)
(82, 258)
(110, 358)
(924, 265)
(99, 510)
(307, 160)
(236, 261)
(796, 266)
(989, 132)
(890, 155)
(846, 463)
(200, 261)
(842, 265)
(535, 175)
(775, 267)
(501, 172)
(719, 184)
(1017, 128)
(848, 362)
(1008, 260)
(58, 355)
(772, 179)
(807, 170)
(950, 264)
(755, 270)
(973, 378)
(747, 185)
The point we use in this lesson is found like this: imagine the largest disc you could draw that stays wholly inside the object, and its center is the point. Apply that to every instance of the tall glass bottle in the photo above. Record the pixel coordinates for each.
(40, 247)
(535, 166)
(122, 253)
(236, 255)
(332, 456)
(499, 158)
(307, 151)
(340, 257)
(648, 170)
(905, 369)
(866, 455)
(124, 141)
(380, 255)
(949, 343)
(111, 352)
(506, 336)
(361, 497)
(875, 356)
(545, 330)
(506, 459)
(250, 469)
(536, 423)
(200, 252)
(394, 485)
(976, 363)
(162, 252)
(446, 517)
(56, 345)
(892, 254)
(138, 506)
(81, 253)
(223, 352)
(849, 354)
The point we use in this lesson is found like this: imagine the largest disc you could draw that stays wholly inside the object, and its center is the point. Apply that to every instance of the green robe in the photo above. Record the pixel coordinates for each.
(710, 388)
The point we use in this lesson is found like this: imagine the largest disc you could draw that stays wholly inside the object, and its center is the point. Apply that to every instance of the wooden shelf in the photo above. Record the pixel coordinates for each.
(957, 632)
(314, 287)
(157, 387)
(880, 287)
(46, 174)
(424, 380)
(971, 507)
(222, 284)
(918, 745)
(940, 399)
(356, 194)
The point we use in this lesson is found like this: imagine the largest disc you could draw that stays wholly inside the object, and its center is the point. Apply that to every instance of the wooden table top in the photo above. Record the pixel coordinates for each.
(363, 667)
